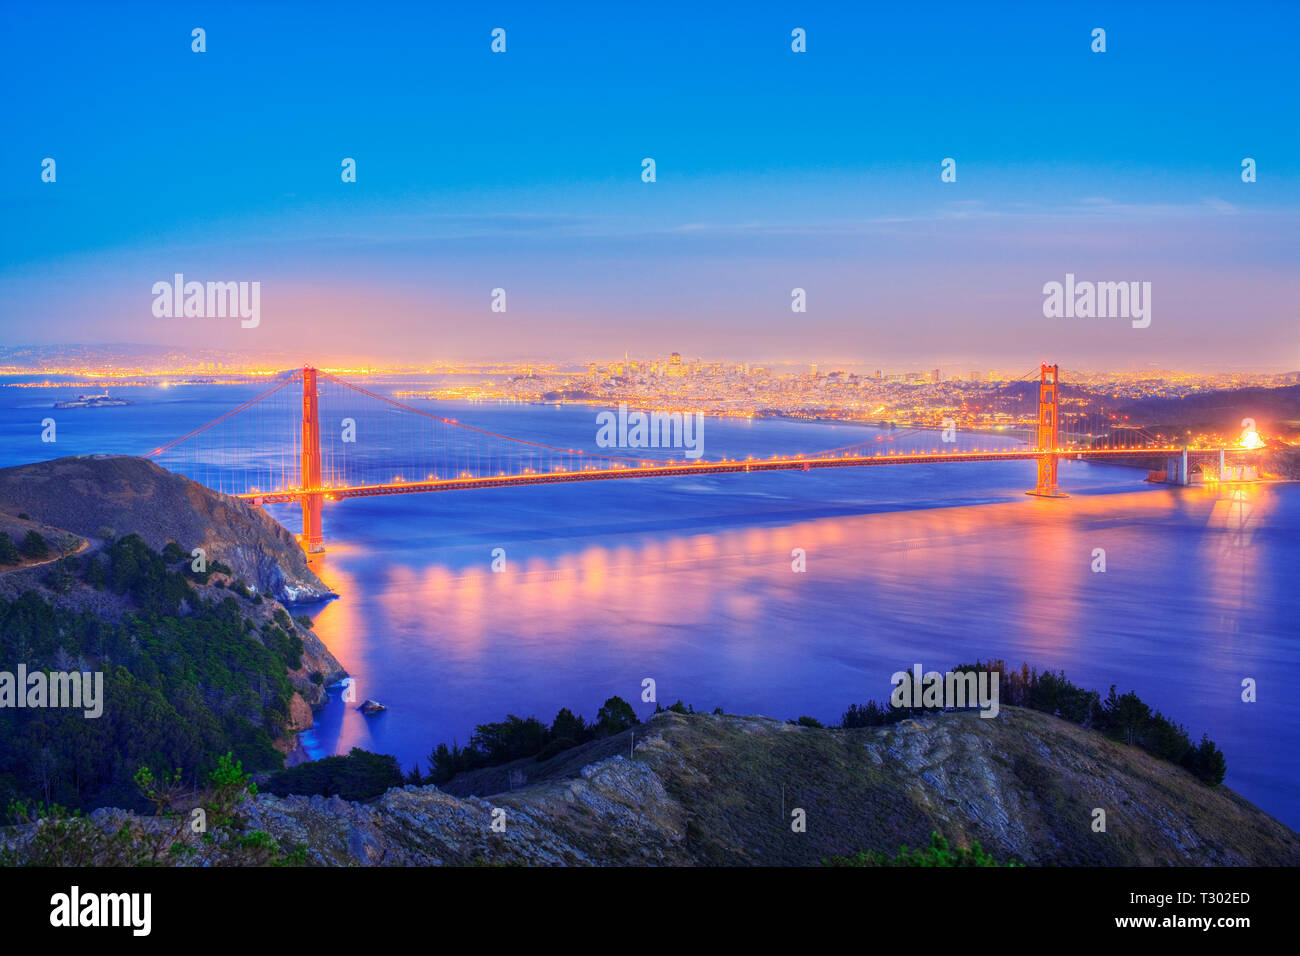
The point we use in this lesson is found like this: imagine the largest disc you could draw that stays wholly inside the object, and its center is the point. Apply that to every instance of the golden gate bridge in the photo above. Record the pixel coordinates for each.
(383, 447)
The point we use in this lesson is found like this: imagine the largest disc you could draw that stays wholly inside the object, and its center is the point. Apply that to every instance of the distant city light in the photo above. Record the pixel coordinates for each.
(1250, 439)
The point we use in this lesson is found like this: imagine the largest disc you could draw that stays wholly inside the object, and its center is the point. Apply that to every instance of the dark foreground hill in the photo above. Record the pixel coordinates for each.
(98, 496)
(706, 789)
(194, 662)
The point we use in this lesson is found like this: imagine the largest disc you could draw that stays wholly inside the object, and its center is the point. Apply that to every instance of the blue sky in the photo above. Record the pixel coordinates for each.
(818, 170)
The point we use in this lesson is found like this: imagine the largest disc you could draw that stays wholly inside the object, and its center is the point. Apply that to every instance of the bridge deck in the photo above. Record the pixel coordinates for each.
(678, 469)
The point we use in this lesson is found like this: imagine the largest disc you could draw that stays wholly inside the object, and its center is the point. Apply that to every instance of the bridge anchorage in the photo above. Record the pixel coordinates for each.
(284, 447)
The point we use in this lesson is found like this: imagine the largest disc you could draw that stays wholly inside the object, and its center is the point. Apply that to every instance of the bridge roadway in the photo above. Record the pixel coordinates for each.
(678, 469)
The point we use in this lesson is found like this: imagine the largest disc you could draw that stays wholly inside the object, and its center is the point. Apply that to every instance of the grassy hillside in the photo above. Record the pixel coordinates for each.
(708, 789)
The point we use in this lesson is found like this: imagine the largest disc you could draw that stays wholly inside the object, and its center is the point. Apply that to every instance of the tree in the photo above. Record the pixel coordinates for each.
(1207, 762)
(95, 574)
(510, 739)
(445, 762)
(1127, 713)
(34, 546)
(567, 725)
(8, 553)
(615, 716)
(1166, 739)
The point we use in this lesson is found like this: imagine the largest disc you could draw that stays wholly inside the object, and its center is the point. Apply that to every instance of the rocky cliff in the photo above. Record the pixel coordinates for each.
(721, 790)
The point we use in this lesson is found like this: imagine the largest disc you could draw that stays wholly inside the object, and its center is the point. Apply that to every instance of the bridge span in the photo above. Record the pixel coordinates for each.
(410, 451)
(699, 468)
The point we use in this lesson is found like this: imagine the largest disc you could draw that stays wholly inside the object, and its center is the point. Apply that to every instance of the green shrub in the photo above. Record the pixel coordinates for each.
(938, 853)
(70, 839)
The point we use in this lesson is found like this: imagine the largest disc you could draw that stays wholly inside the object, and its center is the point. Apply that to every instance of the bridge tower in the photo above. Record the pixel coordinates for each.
(1049, 417)
(309, 476)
